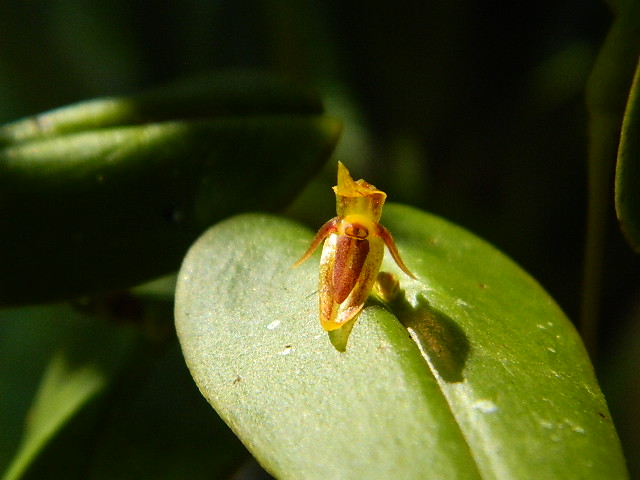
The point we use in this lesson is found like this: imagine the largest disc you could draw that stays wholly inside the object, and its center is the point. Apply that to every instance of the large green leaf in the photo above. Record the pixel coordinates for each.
(110, 193)
(628, 168)
(486, 379)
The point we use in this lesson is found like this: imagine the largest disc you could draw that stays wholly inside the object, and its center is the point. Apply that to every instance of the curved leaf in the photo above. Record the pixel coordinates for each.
(106, 385)
(486, 379)
(606, 97)
(85, 357)
(628, 168)
(212, 96)
(184, 441)
(85, 208)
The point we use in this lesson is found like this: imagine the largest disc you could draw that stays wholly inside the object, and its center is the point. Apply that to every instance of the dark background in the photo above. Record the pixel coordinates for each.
(472, 110)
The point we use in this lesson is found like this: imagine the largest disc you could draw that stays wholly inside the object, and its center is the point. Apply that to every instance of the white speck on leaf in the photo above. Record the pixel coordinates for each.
(462, 303)
(562, 426)
(546, 424)
(273, 325)
(286, 351)
(574, 427)
(485, 406)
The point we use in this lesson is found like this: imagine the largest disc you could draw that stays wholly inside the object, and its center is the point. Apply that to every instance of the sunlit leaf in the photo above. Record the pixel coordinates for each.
(213, 96)
(485, 379)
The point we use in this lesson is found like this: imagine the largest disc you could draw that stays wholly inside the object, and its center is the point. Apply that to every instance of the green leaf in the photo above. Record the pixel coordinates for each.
(628, 168)
(86, 355)
(105, 387)
(28, 339)
(486, 379)
(88, 206)
(211, 96)
(606, 97)
(162, 428)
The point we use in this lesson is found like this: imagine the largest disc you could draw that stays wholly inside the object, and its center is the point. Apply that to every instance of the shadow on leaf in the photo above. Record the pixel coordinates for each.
(442, 343)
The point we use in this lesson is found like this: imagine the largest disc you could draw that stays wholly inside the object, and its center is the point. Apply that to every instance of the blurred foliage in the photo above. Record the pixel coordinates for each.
(200, 149)
(472, 110)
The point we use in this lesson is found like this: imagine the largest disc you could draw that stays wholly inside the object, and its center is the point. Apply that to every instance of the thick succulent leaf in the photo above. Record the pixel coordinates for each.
(628, 168)
(485, 379)
(112, 207)
(211, 96)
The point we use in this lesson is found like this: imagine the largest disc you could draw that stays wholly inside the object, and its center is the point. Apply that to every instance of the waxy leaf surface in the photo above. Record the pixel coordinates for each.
(110, 193)
(484, 378)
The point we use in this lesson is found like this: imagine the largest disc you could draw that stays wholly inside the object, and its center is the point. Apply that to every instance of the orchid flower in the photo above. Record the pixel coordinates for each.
(353, 250)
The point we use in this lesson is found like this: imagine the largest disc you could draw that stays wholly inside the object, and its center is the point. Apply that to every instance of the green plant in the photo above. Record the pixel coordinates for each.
(471, 371)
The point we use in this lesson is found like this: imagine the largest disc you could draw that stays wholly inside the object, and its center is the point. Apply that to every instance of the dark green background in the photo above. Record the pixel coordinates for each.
(471, 110)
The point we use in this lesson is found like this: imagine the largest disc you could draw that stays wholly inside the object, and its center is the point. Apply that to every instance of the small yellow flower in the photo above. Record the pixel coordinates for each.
(353, 250)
